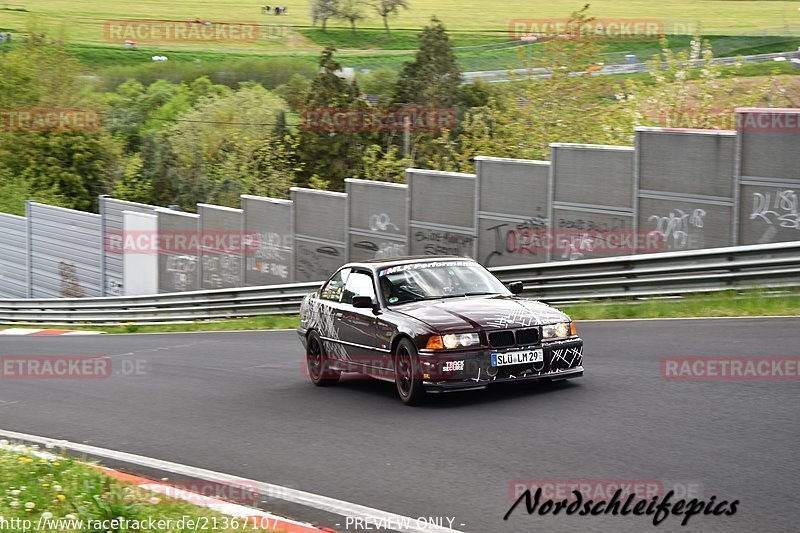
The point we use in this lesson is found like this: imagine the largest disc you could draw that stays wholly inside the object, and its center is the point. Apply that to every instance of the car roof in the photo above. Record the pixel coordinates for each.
(374, 264)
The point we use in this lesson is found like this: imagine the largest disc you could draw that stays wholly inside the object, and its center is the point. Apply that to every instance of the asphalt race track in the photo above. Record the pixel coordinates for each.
(239, 403)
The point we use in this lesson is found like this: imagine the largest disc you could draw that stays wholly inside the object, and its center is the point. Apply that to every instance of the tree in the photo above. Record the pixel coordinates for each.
(70, 166)
(568, 105)
(385, 166)
(324, 10)
(352, 11)
(221, 149)
(387, 8)
(381, 81)
(294, 91)
(433, 78)
(331, 154)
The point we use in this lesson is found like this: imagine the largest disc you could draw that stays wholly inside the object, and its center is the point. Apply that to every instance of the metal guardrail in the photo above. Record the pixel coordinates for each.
(625, 68)
(646, 275)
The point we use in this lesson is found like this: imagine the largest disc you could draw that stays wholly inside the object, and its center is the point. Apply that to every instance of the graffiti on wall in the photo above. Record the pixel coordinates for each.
(680, 229)
(776, 209)
(315, 262)
(221, 270)
(70, 285)
(268, 253)
(441, 242)
(382, 222)
(181, 272)
(523, 238)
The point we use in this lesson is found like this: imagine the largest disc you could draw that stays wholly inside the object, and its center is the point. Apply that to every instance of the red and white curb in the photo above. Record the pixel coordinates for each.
(254, 517)
(46, 332)
(345, 509)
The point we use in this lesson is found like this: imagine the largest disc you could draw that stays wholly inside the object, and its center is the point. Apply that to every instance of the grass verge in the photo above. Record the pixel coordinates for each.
(720, 304)
(47, 492)
(244, 323)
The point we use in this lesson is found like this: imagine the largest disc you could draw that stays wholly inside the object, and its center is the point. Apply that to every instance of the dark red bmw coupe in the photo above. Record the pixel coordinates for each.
(433, 324)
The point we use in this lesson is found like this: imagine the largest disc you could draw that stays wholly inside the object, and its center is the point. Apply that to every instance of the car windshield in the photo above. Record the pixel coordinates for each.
(437, 279)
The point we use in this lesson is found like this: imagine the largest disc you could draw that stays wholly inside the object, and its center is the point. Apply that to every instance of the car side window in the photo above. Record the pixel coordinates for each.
(358, 284)
(333, 289)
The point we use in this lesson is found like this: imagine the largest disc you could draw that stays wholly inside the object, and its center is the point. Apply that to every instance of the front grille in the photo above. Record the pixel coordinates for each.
(501, 339)
(526, 337)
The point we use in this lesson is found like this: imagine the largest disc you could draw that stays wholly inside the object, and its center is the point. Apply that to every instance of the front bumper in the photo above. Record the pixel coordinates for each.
(562, 360)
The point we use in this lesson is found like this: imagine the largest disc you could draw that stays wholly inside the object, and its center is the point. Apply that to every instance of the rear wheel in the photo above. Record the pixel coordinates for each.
(407, 373)
(318, 363)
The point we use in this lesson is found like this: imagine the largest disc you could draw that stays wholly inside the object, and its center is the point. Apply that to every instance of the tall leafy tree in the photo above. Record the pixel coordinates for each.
(351, 11)
(433, 77)
(387, 8)
(324, 10)
(69, 166)
(330, 154)
(221, 149)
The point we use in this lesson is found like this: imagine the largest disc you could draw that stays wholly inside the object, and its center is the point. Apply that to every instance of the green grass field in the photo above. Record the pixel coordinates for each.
(84, 21)
(479, 31)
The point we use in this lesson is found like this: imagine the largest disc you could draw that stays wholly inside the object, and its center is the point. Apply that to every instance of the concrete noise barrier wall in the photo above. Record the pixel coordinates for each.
(442, 213)
(377, 215)
(320, 233)
(269, 241)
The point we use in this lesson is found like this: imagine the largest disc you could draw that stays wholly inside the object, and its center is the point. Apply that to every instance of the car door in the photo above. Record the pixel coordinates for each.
(357, 325)
(327, 315)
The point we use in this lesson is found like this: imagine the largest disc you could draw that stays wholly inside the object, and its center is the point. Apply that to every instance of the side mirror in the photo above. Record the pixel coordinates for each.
(362, 302)
(515, 287)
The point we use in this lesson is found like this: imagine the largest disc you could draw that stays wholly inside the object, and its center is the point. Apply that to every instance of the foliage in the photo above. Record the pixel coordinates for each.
(222, 147)
(294, 91)
(57, 491)
(331, 156)
(568, 105)
(351, 11)
(387, 8)
(323, 10)
(687, 97)
(381, 81)
(433, 78)
(385, 165)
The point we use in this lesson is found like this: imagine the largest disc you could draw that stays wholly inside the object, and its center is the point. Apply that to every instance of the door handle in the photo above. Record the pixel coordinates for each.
(338, 316)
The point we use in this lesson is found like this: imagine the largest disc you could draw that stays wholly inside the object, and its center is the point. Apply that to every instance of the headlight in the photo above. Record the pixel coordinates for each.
(557, 331)
(451, 341)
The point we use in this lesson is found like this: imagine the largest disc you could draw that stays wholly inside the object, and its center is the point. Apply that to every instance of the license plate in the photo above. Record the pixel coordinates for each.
(517, 358)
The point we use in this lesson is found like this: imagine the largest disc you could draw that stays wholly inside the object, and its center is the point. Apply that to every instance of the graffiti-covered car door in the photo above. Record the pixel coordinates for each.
(357, 325)
(326, 315)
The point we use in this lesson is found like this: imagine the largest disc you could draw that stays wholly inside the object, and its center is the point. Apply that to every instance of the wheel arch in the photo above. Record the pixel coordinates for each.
(396, 341)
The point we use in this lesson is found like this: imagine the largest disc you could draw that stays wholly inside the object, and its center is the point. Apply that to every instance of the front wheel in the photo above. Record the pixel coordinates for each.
(318, 363)
(407, 373)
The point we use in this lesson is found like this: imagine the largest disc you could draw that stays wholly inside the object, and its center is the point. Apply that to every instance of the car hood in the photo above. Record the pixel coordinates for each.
(482, 312)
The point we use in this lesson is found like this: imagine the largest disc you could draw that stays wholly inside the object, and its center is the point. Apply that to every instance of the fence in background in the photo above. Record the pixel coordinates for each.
(676, 190)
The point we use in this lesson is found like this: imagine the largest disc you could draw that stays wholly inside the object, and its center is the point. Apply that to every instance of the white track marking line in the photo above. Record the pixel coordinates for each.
(308, 499)
(687, 318)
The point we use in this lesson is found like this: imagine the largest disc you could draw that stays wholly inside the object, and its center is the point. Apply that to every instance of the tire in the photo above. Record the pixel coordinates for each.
(408, 375)
(318, 363)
